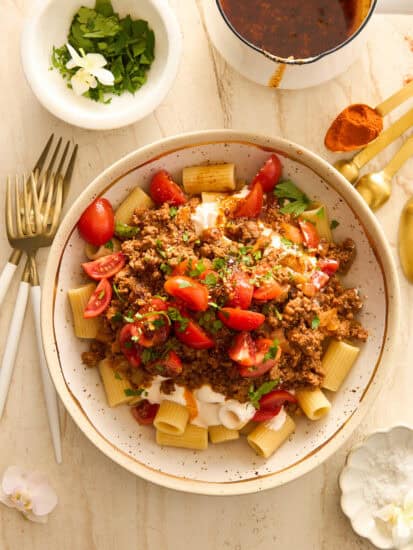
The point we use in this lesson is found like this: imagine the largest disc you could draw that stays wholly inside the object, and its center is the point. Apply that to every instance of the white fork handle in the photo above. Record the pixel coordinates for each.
(5, 279)
(48, 387)
(12, 342)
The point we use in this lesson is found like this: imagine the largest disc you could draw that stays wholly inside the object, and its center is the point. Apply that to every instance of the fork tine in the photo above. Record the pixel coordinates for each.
(57, 205)
(26, 208)
(18, 208)
(9, 217)
(69, 173)
(41, 160)
(54, 156)
(36, 207)
(62, 160)
(48, 203)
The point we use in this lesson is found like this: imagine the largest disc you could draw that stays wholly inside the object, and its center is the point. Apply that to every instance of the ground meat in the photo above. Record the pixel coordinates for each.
(242, 230)
(344, 253)
(96, 353)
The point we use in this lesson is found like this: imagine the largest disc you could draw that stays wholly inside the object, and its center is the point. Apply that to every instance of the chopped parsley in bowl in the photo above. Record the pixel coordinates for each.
(105, 54)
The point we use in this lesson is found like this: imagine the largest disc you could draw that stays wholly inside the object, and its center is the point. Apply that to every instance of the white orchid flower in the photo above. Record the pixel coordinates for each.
(90, 71)
(399, 520)
(28, 492)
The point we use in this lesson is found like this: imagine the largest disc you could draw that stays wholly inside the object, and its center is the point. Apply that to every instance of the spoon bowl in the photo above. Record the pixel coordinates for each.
(375, 189)
(348, 169)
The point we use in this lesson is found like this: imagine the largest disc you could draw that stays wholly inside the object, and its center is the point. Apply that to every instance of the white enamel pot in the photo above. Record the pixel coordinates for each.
(270, 70)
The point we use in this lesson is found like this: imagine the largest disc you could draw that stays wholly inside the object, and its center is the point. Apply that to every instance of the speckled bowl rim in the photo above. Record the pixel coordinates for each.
(373, 231)
(346, 466)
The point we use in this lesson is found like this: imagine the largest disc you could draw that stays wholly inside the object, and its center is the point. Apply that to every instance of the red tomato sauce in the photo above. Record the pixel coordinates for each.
(298, 28)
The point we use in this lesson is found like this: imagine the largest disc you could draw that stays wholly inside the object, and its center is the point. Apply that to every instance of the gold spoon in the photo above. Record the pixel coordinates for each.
(406, 240)
(350, 169)
(375, 188)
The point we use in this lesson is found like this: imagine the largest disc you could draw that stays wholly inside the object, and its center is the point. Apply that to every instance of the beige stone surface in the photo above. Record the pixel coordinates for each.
(102, 507)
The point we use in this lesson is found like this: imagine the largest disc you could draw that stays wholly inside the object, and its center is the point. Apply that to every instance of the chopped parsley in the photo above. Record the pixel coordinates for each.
(255, 395)
(126, 231)
(173, 211)
(159, 248)
(185, 237)
(197, 269)
(185, 284)
(272, 351)
(334, 224)
(219, 264)
(149, 354)
(320, 213)
(101, 295)
(210, 279)
(209, 321)
(315, 323)
(127, 45)
(257, 255)
(117, 317)
(165, 268)
(116, 291)
(286, 242)
(109, 245)
(298, 201)
(175, 315)
(128, 318)
(118, 376)
(277, 313)
(129, 392)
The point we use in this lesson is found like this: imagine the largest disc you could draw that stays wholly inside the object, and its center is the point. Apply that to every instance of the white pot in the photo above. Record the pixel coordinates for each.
(270, 70)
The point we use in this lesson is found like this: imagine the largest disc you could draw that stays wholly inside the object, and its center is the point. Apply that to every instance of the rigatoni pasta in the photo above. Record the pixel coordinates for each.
(78, 298)
(337, 363)
(194, 437)
(171, 418)
(220, 434)
(136, 199)
(266, 441)
(117, 388)
(214, 178)
(313, 402)
(319, 217)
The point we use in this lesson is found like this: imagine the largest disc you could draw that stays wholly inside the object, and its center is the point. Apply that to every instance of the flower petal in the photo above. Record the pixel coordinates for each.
(104, 76)
(44, 500)
(5, 499)
(76, 58)
(13, 477)
(94, 61)
(36, 519)
(82, 81)
(408, 503)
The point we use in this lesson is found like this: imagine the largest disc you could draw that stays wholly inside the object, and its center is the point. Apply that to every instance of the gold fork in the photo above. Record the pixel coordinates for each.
(37, 208)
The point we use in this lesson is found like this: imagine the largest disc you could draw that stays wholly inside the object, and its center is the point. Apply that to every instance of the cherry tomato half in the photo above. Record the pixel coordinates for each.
(292, 233)
(97, 223)
(328, 266)
(243, 349)
(164, 189)
(153, 329)
(276, 398)
(194, 294)
(241, 294)
(144, 412)
(128, 338)
(99, 300)
(251, 205)
(269, 291)
(261, 365)
(269, 174)
(310, 233)
(106, 267)
(263, 415)
(193, 335)
(170, 365)
(240, 319)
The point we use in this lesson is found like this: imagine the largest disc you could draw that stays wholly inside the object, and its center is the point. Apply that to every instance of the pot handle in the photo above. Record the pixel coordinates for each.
(394, 6)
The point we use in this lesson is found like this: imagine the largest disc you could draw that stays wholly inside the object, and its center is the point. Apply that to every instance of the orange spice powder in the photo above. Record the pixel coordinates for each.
(354, 128)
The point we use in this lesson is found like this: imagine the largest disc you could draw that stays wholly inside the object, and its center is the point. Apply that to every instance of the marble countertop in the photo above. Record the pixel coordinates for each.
(101, 506)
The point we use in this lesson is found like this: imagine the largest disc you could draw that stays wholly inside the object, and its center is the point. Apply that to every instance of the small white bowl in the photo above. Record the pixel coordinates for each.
(49, 26)
(359, 472)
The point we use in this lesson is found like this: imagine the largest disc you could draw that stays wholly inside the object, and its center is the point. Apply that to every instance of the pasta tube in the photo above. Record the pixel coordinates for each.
(116, 387)
(266, 441)
(171, 418)
(319, 217)
(220, 434)
(136, 199)
(313, 402)
(248, 428)
(213, 197)
(214, 178)
(78, 298)
(194, 437)
(337, 363)
(96, 252)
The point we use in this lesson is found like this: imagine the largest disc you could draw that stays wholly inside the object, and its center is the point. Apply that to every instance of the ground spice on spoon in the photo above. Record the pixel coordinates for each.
(353, 128)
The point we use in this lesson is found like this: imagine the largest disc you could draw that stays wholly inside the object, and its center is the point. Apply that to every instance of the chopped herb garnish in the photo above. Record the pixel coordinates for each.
(197, 269)
(101, 295)
(159, 248)
(277, 313)
(219, 264)
(214, 305)
(118, 376)
(116, 291)
(298, 201)
(286, 242)
(257, 255)
(175, 315)
(255, 395)
(334, 224)
(159, 368)
(272, 351)
(198, 241)
(166, 268)
(109, 245)
(158, 323)
(149, 354)
(128, 345)
(127, 45)
(128, 318)
(320, 212)
(315, 323)
(129, 392)
(117, 317)
(173, 211)
(185, 284)
(134, 338)
(126, 231)
(185, 237)
(210, 279)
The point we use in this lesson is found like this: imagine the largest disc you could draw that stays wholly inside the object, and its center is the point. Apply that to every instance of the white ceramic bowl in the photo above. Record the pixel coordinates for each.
(49, 25)
(229, 468)
(359, 475)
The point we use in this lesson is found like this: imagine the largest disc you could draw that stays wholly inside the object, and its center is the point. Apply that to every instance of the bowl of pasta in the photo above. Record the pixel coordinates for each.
(219, 311)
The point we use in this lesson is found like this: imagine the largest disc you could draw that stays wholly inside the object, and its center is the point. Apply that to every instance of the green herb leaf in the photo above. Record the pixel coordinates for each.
(334, 224)
(197, 269)
(166, 268)
(175, 315)
(219, 264)
(128, 318)
(109, 245)
(298, 201)
(185, 284)
(101, 295)
(315, 323)
(272, 352)
(118, 295)
(255, 395)
(286, 242)
(210, 280)
(118, 376)
(320, 213)
(185, 237)
(117, 317)
(129, 392)
(126, 231)
(173, 210)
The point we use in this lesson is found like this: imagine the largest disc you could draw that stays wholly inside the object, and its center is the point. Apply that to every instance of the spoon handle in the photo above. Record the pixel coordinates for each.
(402, 155)
(385, 138)
(406, 240)
(395, 100)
